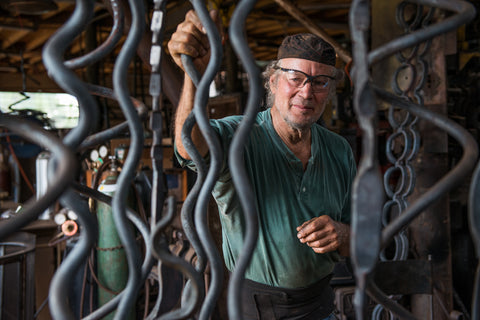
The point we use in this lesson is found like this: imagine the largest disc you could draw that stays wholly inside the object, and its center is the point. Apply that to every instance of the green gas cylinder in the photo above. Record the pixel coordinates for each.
(112, 265)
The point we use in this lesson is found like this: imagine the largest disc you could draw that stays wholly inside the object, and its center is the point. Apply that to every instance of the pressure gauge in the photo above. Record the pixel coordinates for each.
(72, 215)
(60, 218)
(94, 155)
(103, 151)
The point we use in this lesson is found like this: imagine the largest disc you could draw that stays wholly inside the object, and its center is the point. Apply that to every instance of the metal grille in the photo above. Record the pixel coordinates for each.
(371, 231)
(368, 235)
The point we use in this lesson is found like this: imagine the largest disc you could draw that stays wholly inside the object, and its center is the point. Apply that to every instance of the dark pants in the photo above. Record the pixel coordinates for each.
(263, 302)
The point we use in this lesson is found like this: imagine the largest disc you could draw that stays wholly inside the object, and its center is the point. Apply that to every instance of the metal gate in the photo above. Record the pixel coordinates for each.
(374, 227)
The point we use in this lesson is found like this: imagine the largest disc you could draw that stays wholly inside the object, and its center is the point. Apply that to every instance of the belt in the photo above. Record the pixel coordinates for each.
(268, 302)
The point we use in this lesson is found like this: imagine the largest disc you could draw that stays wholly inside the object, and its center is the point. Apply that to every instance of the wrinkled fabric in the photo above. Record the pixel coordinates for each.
(307, 46)
(286, 196)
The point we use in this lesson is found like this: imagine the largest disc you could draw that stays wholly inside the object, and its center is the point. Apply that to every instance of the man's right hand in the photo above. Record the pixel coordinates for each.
(191, 39)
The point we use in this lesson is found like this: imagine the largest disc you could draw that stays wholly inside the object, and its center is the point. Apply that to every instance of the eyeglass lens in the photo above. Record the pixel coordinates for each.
(298, 79)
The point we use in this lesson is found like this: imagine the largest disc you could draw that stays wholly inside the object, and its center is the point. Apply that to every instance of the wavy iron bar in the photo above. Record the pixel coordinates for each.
(404, 130)
(364, 257)
(107, 46)
(367, 192)
(62, 177)
(235, 156)
(131, 163)
(52, 56)
(200, 214)
(474, 223)
(236, 163)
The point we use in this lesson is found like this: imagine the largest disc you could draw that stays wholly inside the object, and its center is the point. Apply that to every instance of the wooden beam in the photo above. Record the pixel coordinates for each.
(39, 82)
(13, 37)
(325, 6)
(62, 6)
(314, 28)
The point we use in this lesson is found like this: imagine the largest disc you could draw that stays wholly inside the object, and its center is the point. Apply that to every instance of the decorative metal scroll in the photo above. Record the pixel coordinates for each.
(403, 144)
(368, 238)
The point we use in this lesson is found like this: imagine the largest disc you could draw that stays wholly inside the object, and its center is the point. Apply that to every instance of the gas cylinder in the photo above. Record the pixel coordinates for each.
(41, 178)
(112, 266)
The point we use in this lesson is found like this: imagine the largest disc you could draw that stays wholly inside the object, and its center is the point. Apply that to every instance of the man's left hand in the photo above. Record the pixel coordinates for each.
(323, 234)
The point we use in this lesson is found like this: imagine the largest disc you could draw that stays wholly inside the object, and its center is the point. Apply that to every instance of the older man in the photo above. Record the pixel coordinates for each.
(301, 174)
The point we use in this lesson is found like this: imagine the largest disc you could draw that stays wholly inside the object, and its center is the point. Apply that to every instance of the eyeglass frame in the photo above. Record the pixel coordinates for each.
(309, 78)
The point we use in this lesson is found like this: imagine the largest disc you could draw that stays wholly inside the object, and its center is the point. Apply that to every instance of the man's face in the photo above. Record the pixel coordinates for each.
(300, 103)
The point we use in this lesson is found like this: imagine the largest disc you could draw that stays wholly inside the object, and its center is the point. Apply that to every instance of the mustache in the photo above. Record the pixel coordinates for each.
(302, 102)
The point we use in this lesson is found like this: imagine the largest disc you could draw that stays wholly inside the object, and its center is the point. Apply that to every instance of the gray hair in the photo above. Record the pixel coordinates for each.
(271, 69)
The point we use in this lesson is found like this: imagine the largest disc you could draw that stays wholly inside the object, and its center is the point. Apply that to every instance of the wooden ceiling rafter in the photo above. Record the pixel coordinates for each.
(266, 26)
(324, 6)
(314, 28)
(13, 39)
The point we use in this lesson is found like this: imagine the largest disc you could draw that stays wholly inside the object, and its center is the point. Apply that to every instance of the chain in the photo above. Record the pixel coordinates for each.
(403, 144)
(156, 119)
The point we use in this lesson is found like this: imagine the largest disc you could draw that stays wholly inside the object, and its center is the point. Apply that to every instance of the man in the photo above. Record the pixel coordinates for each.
(301, 174)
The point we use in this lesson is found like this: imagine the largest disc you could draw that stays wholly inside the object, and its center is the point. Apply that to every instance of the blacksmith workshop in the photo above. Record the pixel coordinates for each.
(239, 160)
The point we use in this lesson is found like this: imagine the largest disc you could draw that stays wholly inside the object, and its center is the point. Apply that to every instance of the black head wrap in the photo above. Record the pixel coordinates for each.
(307, 46)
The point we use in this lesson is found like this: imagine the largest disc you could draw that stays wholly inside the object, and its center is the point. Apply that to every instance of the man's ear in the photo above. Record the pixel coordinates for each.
(273, 83)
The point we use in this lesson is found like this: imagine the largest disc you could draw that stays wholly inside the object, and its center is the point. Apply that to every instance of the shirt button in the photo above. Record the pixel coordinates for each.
(304, 189)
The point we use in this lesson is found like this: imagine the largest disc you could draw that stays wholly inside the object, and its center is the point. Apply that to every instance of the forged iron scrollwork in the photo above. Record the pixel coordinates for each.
(403, 144)
(367, 194)
(369, 210)
(364, 257)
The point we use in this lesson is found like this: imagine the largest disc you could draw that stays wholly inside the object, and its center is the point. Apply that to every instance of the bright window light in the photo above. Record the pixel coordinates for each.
(59, 109)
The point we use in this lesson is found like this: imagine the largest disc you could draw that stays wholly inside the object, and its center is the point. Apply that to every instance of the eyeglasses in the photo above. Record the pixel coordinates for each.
(298, 79)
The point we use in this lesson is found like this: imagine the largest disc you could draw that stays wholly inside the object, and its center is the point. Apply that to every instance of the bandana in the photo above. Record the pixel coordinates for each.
(307, 46)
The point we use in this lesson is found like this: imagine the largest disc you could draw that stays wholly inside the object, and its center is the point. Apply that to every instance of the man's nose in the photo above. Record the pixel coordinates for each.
(307, 88)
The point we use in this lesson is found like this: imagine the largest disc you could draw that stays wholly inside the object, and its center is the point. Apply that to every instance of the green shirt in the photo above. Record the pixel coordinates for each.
(286, 197)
